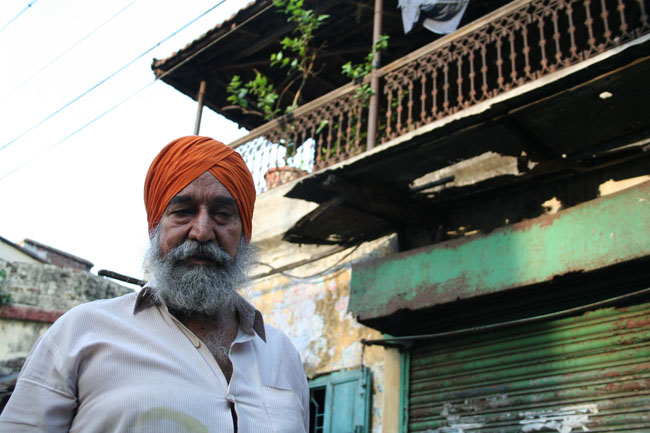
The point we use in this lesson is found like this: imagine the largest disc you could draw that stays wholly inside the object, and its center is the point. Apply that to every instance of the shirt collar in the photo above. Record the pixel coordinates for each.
(250, 319)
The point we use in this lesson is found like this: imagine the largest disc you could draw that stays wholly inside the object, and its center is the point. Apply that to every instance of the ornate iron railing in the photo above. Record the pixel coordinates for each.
(514, 45)
(316, 135)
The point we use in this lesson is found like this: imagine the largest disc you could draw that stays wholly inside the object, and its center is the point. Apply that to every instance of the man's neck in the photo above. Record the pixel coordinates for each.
(217, 333)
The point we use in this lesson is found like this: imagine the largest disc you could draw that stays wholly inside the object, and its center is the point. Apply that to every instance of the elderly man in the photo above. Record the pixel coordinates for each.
(187, 353)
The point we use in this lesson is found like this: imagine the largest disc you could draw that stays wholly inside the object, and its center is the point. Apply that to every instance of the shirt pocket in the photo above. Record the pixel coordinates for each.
(284, 409)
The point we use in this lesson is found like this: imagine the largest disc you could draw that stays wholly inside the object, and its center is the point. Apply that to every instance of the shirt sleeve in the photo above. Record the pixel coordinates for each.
(44, 397)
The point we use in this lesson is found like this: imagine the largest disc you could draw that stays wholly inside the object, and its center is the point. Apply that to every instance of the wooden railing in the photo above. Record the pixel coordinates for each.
(514, 45)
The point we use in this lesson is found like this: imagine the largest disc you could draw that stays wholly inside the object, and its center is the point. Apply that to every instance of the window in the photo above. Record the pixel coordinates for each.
(340, 402)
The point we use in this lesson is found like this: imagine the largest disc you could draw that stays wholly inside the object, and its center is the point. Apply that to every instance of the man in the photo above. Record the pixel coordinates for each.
(187, 353)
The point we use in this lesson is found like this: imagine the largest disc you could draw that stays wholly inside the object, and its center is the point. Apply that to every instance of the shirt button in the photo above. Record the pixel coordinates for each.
(231, 398)
(197, 343)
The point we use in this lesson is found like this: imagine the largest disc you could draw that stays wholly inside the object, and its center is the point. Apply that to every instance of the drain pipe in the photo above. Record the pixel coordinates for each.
(374, 78)
(200, 98)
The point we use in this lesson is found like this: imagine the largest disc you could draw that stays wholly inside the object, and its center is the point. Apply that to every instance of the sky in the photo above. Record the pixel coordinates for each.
(81, 191)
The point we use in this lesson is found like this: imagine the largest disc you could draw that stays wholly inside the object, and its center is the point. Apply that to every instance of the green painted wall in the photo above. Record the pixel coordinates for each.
(594, 234)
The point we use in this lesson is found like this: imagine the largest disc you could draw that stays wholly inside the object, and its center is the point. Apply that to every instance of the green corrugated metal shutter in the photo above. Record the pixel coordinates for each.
(588, 372)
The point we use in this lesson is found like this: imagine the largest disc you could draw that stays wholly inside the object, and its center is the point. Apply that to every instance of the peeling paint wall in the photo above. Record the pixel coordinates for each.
(47, 288)
(310, 302)
(18, 337)
(313, 312)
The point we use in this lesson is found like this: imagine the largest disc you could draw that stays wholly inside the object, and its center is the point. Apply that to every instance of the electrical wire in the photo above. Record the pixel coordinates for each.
(76, 131)
(317, 274)
(406, 341)
(136, 93)
(69, 103)
(66, 51)
(215, 41)
(29, 5)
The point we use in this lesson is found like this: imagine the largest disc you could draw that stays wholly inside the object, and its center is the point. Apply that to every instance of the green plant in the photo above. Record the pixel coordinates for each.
(357, 72)
(5, 298)
(260, 88)
(297, 56)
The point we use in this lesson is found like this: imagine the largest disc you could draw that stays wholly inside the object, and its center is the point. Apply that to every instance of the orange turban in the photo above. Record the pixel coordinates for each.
(185, 159)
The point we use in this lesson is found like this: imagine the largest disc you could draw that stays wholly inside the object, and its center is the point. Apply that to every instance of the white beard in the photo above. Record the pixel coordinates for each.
(195, 290)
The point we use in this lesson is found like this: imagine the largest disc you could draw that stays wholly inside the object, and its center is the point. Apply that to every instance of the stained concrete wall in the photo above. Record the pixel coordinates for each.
(10, 252)
(310, 302)
(45, 288)
(53, 288)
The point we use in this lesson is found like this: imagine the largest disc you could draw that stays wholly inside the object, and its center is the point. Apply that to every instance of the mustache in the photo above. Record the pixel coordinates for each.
(191, 248)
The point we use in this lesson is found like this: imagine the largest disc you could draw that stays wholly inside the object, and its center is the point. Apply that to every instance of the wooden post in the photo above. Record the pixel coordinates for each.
(200, 98)
(374, 79)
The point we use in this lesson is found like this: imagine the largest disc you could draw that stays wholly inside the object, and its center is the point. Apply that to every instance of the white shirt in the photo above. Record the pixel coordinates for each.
(127, 365)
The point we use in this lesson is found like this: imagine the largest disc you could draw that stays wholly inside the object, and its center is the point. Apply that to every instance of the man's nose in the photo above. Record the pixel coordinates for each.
(202, 229)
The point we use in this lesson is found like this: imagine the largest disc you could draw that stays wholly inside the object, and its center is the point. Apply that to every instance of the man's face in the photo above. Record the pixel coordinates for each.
(204, 211)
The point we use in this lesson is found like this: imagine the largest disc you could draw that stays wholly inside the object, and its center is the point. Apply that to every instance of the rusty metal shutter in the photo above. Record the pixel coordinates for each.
(587, 372)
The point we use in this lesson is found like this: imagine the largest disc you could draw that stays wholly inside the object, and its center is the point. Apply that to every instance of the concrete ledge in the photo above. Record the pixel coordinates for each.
(34, 314)
(595, 234)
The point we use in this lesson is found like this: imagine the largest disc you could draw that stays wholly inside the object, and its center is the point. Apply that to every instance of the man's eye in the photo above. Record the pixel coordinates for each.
(181, 212)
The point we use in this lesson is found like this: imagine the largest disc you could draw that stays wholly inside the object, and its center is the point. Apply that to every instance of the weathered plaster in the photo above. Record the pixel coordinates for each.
(18, 337)
(49, 288)
(275, 214)
(612, 186)
(10, 252)
(53, 288)
(313, 313)
(310, 302)
(472, 171)
(390, 389)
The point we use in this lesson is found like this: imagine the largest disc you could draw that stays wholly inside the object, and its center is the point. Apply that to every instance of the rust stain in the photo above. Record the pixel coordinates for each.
(635, 323)
(635, 386)
(425, 296)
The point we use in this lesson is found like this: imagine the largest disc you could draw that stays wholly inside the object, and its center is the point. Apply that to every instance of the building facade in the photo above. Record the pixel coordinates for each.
(470, 249)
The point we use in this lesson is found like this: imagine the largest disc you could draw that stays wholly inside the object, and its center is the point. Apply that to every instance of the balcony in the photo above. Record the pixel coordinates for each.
(528, 102)
(512, 51)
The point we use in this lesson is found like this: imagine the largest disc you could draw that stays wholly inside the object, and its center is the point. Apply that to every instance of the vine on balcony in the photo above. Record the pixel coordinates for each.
(357, 72)
(297, 56)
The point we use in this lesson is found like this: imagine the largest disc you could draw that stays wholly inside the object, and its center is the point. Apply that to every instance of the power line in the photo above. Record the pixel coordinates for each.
(66, 51)
(246, 21)
(77, 130)
(29, 5)
(138, 91)
(283, 269)
(69, 103)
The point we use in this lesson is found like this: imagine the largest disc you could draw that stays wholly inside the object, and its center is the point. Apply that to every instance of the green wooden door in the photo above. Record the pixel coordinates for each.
(341, 402)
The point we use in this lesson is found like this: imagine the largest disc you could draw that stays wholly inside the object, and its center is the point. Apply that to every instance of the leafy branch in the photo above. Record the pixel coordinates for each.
(297, 56)
(357, 72)
(5, 297)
